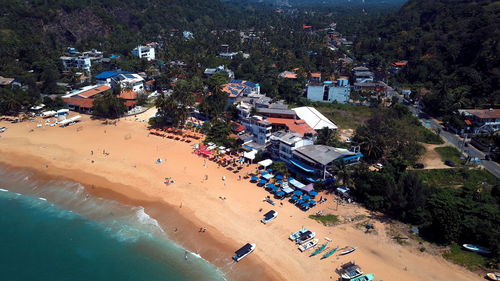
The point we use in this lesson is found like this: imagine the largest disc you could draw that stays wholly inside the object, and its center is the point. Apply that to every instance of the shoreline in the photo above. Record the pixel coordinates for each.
(128, 173)
(178, 228)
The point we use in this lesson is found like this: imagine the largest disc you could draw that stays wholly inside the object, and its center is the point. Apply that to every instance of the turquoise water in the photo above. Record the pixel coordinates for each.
(53, 231)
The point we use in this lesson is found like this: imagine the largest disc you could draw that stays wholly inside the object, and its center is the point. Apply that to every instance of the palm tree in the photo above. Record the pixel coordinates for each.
(343, 172)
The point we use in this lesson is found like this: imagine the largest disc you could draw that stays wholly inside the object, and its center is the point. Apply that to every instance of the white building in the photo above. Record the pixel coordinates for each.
(329, 92)
(82, 63)
(283, 144)
(314, 118)
(259, 128)
(146, 52)
(133, 81)
(220, 68)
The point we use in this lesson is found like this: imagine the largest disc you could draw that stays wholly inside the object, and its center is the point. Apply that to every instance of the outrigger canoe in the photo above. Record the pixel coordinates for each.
(319, 250)
(330, 253)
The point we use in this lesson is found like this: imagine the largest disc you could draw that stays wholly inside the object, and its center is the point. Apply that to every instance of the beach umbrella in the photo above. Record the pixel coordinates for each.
(297, 192)
(279, 177)
(295, 198)
(280, 181)
(269, 170)
(275, 188)
(264, 173)
(300, 202)
(280, 193)
(312, 202)
(262, 181)
(306, 197)
(254, 178)
(313, 193)
(270, 185)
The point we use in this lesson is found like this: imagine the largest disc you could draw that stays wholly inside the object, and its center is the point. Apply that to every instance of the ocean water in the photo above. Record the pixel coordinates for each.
(55, 231)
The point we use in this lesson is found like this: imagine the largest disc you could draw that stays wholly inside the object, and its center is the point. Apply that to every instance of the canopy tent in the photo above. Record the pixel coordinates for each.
(308, 188)
(267, 176)
(250, 155)
(287, 190)
(266, 162)
(296, 183)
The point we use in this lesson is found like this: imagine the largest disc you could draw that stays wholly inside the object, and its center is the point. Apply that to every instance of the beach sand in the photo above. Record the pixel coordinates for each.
(129, 175)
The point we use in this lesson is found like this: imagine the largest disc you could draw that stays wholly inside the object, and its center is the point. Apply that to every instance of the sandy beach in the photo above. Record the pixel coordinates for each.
(127, 172)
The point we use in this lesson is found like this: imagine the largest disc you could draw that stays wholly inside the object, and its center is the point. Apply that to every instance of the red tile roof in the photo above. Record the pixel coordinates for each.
(400, 63)
(298, 126)
(128, 95)
(290, 76)
(84, 103)
(130, 103)
(316, 75)
(94, 91)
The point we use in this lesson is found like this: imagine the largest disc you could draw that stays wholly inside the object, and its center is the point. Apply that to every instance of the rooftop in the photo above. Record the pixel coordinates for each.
(298, 126)
(483, 113)
(109, 74)
(322, 154)
(4, 81)
(94, 91)
(314, 118)
(128, 95)
(84, 103)
(276, 111)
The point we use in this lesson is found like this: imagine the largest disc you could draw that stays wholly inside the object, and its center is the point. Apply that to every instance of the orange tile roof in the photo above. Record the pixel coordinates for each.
(316, 74)
(128, 95)
(400, 63)
(130, 103)
(298, 126)
(485, 113)
(290, 76)
(84, 103)
(94, 91)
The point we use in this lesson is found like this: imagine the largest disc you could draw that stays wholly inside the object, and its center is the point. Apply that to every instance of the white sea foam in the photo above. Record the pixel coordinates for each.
(145, 219)
(4, 190)
(41, 198)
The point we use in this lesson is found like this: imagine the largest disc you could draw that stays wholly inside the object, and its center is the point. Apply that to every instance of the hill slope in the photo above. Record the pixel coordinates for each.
(452, 45)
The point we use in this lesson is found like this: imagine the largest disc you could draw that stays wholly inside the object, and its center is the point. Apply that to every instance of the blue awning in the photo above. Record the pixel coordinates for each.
(303, 166)
(353, 157)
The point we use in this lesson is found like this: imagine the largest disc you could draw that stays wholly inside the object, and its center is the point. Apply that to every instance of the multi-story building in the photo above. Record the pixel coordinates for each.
(130, 81)
(259, 128)
(147, 52)
(283, 144)
(329, 91)
(82, 63)
(237, 89)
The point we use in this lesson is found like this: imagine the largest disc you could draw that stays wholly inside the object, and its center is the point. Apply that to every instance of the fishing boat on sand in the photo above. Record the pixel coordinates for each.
(297, 234)
(477, 249)
(495, 276)
(308, 245)
(330, 253)
(367, 277)
(319, 250)
(350, 270)
(347, 251)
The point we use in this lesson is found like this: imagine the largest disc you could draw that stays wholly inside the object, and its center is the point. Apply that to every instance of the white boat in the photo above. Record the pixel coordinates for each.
(347, 251)
(308, 245)
(269, 216)
(244, 251)
(297, 234)
(477, 249)
(495, 276)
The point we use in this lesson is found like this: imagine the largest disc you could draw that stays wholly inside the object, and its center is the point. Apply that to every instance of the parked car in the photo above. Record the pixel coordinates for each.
(378, 166)
(418, 166)
(449, 163)
(269, 216)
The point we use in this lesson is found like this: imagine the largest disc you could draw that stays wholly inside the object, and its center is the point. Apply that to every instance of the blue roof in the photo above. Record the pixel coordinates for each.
(109, 74)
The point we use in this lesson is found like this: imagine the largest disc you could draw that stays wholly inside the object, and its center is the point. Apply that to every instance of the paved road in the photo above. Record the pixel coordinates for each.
(457, 141)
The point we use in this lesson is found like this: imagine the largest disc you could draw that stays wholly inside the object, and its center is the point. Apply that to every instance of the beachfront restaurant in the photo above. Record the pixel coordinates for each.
(312, 161)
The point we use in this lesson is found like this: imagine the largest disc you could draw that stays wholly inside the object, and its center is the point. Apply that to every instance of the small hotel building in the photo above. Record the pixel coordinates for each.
(312, 162)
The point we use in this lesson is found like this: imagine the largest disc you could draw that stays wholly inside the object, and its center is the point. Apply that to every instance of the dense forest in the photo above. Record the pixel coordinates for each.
(452, 47)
